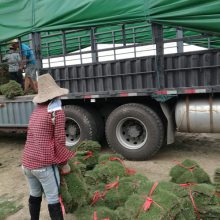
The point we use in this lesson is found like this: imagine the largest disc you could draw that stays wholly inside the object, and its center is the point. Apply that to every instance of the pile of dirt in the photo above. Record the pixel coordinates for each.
(107, 189)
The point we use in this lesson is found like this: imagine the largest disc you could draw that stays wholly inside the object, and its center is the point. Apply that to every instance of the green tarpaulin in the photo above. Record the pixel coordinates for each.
(20, 17)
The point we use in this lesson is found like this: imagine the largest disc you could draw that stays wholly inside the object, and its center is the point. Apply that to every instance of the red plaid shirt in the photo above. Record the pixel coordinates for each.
(45, 144)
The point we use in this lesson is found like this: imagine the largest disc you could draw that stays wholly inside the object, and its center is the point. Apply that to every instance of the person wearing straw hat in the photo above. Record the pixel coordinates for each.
(45, 148)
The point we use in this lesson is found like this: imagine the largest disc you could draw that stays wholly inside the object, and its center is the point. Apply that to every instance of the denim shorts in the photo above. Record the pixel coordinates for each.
(30, 71)
(44, 180)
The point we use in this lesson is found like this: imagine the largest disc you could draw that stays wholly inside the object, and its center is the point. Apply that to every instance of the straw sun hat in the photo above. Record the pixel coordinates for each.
(48, 89)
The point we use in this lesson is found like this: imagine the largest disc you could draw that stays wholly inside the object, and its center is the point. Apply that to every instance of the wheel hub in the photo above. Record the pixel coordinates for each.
(131, 133)
(71, 130)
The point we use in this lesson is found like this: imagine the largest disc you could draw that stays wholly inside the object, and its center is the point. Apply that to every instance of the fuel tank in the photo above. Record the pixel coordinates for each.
(201, 115)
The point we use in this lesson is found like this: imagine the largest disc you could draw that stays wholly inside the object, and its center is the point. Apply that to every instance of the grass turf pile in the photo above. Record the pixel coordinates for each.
(11, 89)
(171, 202)
(106, 157)
(188, 172)
(99, 213)
(79, 165)
(73, 189)
(111, 192)
(206, 201)
(217, 181)
(105, 172)
(88, 153)
(117, 195)
(4, 74)
(155, 203)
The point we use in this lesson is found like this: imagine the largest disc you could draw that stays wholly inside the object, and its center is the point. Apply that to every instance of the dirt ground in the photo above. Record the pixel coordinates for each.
(204, 148)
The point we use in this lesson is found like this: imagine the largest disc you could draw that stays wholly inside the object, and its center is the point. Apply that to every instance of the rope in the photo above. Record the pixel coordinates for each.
(196, 210)
(128, 170)
(181, 165)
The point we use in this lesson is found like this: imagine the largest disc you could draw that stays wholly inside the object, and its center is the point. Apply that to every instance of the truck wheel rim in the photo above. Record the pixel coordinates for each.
(72, 130)
(131, 133)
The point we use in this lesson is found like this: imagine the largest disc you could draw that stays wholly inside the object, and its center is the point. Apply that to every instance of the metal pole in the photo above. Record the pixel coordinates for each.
(64, 46)
(36, 42)
(95, 57)
(179, 35)
(157, 30)
(134, 42)
(209, 43)
(113, 41)
(123, 35)
(80, 50)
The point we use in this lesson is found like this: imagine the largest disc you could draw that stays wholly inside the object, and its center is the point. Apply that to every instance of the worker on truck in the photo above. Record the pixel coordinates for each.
(13, 59)
(29, 63)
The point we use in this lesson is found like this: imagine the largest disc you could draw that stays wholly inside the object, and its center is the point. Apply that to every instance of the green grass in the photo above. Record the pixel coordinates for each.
(8, 207)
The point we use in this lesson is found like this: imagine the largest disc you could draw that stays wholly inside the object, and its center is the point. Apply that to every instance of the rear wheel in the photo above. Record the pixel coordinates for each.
(135, 131)
(80, 125)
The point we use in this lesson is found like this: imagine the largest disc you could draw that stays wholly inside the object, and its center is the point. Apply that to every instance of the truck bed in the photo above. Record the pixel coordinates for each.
(183, 73)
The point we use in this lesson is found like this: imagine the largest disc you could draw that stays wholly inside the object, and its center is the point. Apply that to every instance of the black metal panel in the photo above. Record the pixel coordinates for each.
(132, 74)
(184, 70)
(196, 69)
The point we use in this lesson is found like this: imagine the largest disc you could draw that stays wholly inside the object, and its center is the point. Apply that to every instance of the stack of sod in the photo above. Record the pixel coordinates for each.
(105, 172)
(188, 172)
(79, 165)
(73, 189)
(124, 197)
(88, 153)
(4, 74)
(157, 204)
(101, 213)
(11, 89)
(217, 181)
(187, 211)
(116, 196)
(206, 201)
(107, 156)
(138, 185)
(93, 179)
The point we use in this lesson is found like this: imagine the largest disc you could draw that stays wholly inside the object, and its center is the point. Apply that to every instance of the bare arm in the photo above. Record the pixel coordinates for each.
(23, 62)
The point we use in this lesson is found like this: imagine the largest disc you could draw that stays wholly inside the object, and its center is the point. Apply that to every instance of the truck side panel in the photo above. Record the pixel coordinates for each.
(181, 71)
(15, 113)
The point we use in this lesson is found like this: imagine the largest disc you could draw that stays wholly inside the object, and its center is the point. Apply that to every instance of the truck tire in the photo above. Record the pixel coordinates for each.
(99, 122)
(135, 131)
(80, 125)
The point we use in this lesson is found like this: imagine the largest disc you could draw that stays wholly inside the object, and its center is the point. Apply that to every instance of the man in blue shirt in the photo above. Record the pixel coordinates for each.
(29, 62)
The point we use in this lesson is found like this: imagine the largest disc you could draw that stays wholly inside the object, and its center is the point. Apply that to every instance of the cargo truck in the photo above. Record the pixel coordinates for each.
(132, 82)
